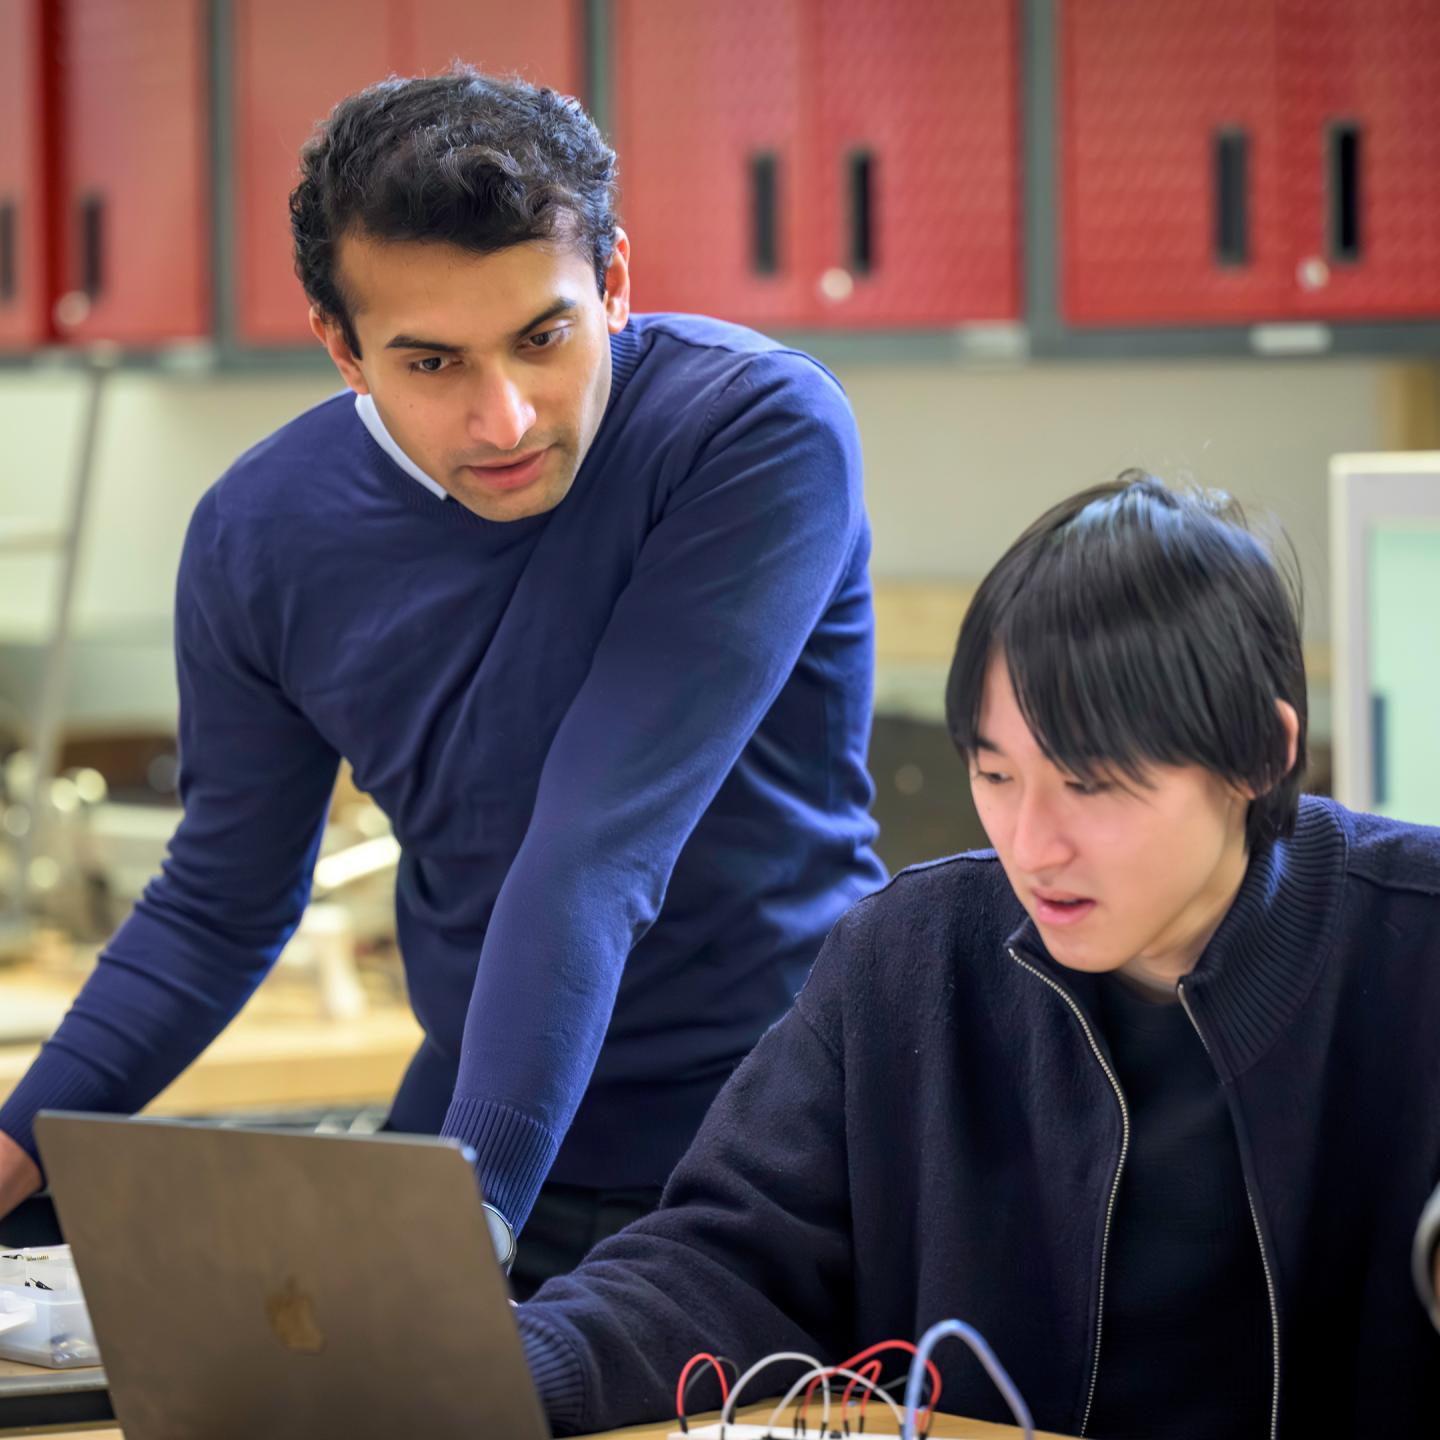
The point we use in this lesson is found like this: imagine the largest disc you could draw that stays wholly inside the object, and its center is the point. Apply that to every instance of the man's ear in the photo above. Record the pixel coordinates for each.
(331, 334)
(1291, 722)
(617, 284)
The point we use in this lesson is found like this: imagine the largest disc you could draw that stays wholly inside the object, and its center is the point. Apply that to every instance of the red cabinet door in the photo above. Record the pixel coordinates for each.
(1360, 115)
(1169, 162)
(714, 140)
(134, 229)
(292, 63)
(918, 189)
(539, 40)
(24, 281)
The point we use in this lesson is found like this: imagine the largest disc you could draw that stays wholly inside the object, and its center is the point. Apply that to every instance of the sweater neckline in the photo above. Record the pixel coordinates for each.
(624, 359)
(1267, 953)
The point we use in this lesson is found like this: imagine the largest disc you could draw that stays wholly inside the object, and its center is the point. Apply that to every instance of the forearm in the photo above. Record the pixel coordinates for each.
(19, 1175)
(165, 986)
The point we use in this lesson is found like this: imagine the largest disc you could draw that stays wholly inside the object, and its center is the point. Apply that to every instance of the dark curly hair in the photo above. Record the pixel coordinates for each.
(1143, 624)
(461, 158)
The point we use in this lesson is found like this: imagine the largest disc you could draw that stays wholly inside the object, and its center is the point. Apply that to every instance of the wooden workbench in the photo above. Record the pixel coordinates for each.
(265, 1061)
(946, 1427)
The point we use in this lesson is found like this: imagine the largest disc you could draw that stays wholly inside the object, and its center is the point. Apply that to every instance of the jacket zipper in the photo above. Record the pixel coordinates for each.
(1119, 1170)
(1264, 1258)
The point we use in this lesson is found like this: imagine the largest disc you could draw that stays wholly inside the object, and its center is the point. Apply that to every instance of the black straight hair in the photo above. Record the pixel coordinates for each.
(1143, 626)
(464, 159)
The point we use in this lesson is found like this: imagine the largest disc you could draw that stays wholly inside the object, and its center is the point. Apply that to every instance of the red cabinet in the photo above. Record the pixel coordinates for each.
(918, 197)
(133, 227)
(1359, 93)
(716, 156)
(1169, 160)
(1249, 160)
(539, 39)
(24, 262)
(293, 62)
(821, 164)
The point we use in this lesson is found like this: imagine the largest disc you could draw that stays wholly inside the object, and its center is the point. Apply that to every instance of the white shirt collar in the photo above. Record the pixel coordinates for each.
(370, 418)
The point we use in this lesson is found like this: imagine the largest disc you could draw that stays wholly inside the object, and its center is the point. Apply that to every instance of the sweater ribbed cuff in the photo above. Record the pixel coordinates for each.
(55, 1081)
(515, 1153)
(557, 1372)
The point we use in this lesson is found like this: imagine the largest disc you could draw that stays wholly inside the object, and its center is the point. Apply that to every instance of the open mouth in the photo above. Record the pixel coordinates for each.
(1062, 911)
(510, 477)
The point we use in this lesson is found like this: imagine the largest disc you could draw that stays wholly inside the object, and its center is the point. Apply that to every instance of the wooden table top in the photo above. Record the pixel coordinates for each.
(264, 1061)
(946, 1427)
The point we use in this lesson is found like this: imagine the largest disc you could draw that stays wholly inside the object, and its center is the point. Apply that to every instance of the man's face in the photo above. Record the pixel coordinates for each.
(491, 372)
(1115, 877)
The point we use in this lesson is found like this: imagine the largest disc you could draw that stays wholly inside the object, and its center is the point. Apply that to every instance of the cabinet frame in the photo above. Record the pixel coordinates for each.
(1042, 333)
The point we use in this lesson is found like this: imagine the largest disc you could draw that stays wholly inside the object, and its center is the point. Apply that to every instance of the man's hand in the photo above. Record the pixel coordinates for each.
(19, 1175)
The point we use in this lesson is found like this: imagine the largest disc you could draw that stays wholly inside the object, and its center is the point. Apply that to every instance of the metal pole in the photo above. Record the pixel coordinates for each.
(50, 713)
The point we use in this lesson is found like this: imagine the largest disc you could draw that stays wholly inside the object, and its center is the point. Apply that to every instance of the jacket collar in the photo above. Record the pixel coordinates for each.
(1269, 950)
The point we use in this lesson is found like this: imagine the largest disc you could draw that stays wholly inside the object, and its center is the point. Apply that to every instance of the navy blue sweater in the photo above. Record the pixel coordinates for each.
(933, 1131)
(652, 702)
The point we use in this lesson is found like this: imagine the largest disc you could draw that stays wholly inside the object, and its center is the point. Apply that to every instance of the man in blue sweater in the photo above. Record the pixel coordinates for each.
(583, 599)
(1149, 1094)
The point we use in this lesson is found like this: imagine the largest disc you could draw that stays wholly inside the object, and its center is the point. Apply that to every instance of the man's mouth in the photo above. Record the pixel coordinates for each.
(510, 475)
(1057, 907)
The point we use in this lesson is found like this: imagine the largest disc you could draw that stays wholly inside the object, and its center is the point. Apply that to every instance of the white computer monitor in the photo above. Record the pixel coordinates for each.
(1385, 632)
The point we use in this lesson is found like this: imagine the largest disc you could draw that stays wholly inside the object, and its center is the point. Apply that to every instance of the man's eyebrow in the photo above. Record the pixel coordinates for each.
(560, 306)
(981, 743)
(557, 307)
(415, 342)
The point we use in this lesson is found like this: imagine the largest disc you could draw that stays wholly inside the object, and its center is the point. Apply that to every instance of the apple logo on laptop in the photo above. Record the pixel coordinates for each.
(291, 1313)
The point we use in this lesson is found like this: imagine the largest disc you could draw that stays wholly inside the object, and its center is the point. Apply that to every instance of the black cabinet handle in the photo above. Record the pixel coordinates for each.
(860, 175)
(1379, 751)
(1343, 159)
(92, 244)
(1232, 197)
(764, 212)
(8, 283)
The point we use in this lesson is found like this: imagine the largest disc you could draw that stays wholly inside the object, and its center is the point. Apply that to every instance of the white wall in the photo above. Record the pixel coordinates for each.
(958, 460)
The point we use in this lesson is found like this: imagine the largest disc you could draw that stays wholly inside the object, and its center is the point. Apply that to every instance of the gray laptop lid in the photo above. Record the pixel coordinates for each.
(251, 1282)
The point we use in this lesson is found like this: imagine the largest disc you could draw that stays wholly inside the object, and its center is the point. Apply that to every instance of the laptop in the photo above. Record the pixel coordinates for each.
(263, 1282)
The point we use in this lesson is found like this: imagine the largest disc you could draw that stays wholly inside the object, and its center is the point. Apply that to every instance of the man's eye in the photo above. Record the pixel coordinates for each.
(431, 364)
(548, 339)
(1083, 787)
(991, 777)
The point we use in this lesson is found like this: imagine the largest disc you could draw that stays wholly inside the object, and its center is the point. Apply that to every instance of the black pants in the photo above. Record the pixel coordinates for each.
(566, 1222)
(30, 1223)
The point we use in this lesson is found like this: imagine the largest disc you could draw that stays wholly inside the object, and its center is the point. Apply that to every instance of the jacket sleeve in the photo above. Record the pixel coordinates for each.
(750, 550)
(751, 1249)
(255, 781)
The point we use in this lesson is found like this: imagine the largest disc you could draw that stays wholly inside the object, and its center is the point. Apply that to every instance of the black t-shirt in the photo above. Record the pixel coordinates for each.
(1185, 1352)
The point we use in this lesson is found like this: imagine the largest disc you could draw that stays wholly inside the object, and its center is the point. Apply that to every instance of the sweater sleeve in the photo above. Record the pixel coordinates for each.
(750, 1252)
(739, 568)
(255, 780)
(1427, 1250)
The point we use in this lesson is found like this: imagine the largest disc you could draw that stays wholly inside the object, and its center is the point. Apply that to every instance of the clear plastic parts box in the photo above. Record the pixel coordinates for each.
(43, 1319)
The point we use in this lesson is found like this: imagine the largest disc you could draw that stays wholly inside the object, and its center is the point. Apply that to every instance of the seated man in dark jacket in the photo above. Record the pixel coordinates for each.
(1149, 1095)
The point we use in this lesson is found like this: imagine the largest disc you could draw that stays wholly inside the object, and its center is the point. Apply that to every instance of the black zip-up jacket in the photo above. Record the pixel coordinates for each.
(935, 1130)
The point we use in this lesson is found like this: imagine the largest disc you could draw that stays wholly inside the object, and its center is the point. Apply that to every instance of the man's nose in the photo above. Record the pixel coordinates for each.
(500, 414)
(1038, 842)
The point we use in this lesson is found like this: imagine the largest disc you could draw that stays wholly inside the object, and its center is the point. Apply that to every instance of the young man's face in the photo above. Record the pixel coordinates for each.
(491, 372)
(1132, 879)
